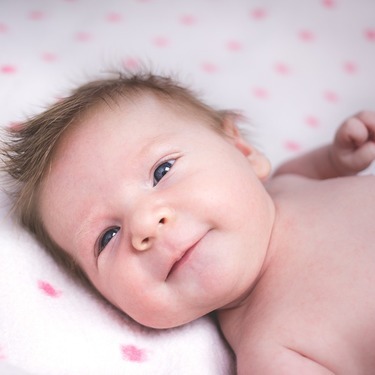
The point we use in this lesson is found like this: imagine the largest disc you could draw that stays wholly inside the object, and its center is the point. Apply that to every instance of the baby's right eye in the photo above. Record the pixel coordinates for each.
(106, 237)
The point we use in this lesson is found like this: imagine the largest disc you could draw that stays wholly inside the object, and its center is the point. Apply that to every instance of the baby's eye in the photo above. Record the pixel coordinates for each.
(162, 170)
(106, 237)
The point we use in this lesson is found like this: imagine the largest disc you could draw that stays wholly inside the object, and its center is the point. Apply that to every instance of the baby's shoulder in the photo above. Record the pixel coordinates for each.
(290, 183)
(299, 195)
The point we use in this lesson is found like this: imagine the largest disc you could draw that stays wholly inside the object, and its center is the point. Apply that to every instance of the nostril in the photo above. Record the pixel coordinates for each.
(162, 221)
(142, 244)
(145, 242)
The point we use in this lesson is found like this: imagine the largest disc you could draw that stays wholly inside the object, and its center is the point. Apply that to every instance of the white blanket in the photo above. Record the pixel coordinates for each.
(295, 68)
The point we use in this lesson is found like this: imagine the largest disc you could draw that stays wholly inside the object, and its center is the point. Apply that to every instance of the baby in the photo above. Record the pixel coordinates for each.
(160, 203)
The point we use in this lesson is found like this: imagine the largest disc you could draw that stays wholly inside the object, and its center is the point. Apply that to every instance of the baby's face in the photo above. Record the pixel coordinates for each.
(166, 216)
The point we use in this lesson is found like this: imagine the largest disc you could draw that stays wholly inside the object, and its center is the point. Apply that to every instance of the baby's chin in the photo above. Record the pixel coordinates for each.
(163, 323)
(166, 321)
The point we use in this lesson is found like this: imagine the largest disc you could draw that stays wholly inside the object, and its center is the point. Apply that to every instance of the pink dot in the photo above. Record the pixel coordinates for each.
(49, 57)
(209, 67)
(282, 68)
(58, 98)
(15, 126)
(161, 41)
(114, 17)
(48, 289)
(2, 354)
(329, 3)
(36, 15)
(133, 354)
(8, 69)
(3, 28)
(292, 146)
(258, 13)
(83, 36)
(312, 121)
(131, 63)
(330, 96)
(234, 45)
(370, 35)
(350, 67)
(260, 93)
(188, 20)
(306, 35)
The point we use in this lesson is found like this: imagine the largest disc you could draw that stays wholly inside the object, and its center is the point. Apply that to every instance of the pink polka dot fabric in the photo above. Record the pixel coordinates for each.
(294, 68)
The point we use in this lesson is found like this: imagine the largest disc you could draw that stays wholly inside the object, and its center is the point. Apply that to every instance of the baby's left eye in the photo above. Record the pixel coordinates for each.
(162, 170)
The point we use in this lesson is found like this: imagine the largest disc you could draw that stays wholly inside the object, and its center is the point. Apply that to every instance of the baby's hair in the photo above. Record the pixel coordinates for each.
(27, 149)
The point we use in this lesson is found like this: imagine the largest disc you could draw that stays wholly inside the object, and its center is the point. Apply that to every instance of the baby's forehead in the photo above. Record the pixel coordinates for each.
(129, 125)
(147, 103)
(133, 110)
(135, 107)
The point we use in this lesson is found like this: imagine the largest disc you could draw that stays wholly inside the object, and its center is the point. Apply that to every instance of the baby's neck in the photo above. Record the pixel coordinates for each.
(232, 318)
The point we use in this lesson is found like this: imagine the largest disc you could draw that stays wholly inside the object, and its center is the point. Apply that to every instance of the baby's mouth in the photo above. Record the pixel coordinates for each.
(182, 259)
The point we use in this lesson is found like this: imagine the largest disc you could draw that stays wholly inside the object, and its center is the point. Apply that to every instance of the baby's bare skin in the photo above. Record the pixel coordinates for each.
(313, 310)
(170, 224)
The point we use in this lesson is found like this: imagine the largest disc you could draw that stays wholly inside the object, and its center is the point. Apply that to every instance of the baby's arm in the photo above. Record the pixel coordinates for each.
(352, 150)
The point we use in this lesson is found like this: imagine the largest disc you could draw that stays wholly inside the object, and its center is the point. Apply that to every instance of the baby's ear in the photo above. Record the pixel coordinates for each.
(258, 161)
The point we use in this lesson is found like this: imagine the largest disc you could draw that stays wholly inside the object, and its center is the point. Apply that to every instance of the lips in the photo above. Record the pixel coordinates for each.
(182, 259)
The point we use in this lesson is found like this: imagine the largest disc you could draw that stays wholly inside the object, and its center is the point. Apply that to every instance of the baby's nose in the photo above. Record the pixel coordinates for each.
(148, 225)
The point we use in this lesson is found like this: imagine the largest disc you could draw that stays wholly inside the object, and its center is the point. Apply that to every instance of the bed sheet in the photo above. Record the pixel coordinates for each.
(295, 69)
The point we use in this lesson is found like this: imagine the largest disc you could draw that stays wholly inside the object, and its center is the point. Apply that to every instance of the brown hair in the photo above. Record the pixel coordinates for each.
(27, 149)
